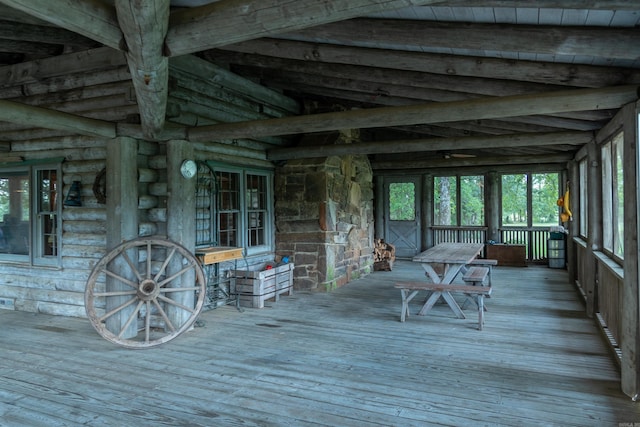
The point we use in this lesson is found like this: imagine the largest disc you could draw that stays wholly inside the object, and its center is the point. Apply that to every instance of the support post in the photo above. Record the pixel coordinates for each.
(492, 206)
(122, 221)
(427, 211)
(630, 315)
(594, 238)
(181, 218)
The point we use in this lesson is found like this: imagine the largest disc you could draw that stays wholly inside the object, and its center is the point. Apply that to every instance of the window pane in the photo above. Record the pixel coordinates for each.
(607, 198)
(256, 202)
(514, 200)
(472, 200)
(444, 200)
(14, 207)
(584, 201)
(228, 184)
(46, 227)
(544, 198)
(402, 201)
(205, 189)
(618, 201)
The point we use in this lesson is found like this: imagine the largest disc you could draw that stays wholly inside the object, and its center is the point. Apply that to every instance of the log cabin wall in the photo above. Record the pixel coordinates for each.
(97, 84)
(324, 218)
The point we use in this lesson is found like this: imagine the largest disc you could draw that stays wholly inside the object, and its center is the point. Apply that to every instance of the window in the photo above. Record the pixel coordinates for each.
(257, 212)
(30, 214)
(544, 199)
(584, 200)
(459, 201)
(402, 201)
(514, 200)
(444, 200)
(234, 208)
(612, 153)
(530, 200)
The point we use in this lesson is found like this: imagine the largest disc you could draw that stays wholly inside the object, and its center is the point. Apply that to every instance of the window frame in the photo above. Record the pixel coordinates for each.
(243, 212)
(583, 211)
(529, 202)
(457, 216)
(612, 207)
(36, 239)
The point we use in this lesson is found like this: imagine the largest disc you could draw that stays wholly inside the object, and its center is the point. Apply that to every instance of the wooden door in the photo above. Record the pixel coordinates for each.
(402, 215)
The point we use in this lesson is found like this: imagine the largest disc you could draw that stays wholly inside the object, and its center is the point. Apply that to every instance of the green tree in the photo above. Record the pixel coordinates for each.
(402, 201)
(514, 199)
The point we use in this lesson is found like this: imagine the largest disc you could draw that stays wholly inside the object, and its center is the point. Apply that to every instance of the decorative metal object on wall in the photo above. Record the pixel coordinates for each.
(73, 196)
(100, 186)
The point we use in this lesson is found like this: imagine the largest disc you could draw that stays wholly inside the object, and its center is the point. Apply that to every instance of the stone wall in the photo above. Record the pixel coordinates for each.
(324, 219)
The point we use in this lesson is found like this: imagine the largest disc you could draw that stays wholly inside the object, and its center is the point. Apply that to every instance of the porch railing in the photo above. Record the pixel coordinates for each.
(459, 234)
(534, 238)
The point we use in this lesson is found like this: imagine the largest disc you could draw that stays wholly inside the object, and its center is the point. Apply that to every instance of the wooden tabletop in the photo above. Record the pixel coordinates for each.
(450, 253)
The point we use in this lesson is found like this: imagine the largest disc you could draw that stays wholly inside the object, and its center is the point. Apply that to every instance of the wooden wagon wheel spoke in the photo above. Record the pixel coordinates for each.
(114, 294)
(134, 270)
(132, 316)
(121, 279)
(145, 292)
(164, 316)
(175, 304)
(169, 290)
(175, 276)
(117, 309)
(164, 265)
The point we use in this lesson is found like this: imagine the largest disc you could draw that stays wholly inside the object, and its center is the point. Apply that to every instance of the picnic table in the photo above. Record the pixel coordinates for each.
(453, 256)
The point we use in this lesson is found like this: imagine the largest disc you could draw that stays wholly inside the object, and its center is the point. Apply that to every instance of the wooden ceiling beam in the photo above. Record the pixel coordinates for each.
(37, 117)
(43, 34)
(512, 162)
(232, 21)
(433, 144)
(450, 65)
(94, 19)
(144, 25)
(474, 109)
(548, 4)
(603, 42)
(272, 67)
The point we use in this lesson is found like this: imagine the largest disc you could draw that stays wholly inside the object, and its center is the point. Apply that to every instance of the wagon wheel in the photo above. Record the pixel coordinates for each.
(145, 292)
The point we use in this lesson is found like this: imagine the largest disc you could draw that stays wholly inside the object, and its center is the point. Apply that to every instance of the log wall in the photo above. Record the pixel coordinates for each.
(97, 84)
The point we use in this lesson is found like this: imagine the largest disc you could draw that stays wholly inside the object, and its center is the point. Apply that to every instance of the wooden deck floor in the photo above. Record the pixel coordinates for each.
(337, 359)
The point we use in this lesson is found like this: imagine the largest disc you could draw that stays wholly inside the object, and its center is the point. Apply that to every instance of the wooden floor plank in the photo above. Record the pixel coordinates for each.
(342, 358)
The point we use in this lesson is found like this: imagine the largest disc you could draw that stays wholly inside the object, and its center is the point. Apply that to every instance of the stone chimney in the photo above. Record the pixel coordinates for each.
(324, 217)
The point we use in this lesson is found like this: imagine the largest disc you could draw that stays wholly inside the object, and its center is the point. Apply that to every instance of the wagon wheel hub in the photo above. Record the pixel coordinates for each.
(148, 290)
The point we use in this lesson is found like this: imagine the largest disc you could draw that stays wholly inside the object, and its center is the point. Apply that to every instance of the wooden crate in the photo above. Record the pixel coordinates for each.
(510, 255)
(255, 287)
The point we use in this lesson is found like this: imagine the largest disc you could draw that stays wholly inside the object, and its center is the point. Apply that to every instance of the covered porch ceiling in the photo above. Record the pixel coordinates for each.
(428, 83)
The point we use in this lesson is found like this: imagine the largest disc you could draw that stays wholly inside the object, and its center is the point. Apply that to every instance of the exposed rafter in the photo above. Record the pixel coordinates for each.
(231, 21)
(94, 19)
(483, 108)
(433, 144)
(449, 65)
(620, 43)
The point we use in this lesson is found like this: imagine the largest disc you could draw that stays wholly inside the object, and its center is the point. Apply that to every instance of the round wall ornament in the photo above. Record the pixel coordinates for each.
(188, 169)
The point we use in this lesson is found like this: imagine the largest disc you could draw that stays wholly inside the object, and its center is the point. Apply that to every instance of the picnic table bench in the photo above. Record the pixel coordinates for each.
(410, 289)
(483, 262)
